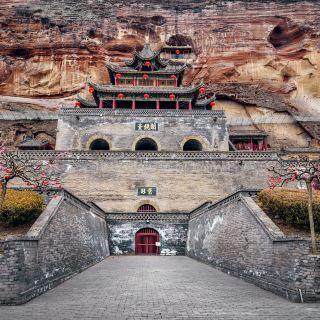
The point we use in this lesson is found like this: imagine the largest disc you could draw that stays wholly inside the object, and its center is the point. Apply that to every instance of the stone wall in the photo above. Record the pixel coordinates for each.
(236, 236)
(184, 180)
(172, 229)
(78, 128)
(68, 237)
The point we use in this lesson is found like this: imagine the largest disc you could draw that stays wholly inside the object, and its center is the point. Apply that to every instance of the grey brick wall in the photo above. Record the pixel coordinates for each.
(173, 233)
(68, 237)
(236, 236)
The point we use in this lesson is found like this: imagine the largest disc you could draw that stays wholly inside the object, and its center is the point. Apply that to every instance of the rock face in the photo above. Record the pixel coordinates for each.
(50, 48)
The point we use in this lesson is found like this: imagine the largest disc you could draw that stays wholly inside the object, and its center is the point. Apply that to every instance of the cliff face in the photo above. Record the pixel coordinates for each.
(49, 48)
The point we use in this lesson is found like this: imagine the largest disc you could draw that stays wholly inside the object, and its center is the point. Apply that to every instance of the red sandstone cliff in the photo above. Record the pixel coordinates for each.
(49, 48)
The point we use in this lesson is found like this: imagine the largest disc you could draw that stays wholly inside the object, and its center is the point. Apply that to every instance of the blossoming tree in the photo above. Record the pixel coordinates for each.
(300, 169)
(37, 174)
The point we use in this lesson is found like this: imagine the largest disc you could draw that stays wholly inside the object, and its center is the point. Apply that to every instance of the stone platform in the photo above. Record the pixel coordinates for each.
(149, 287)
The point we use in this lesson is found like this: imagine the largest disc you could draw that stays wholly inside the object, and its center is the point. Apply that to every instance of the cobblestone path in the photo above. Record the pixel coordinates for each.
(133, 287)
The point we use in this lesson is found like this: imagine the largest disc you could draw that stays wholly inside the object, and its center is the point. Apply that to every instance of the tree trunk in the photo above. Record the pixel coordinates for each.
(3, 192)
(311, 222)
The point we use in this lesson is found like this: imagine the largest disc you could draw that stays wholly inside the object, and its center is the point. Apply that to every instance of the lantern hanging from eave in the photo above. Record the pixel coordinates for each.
(77, 104)
(147, 64)
(177, 51)
(146, 96)
(120, 95)
(212, 104)
(173, 77)
(202, 90)
(172, 96)
(91, 89)
(145, 76)
(118, 76)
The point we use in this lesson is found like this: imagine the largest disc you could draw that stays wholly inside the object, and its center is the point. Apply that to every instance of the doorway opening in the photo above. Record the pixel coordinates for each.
(146, 239)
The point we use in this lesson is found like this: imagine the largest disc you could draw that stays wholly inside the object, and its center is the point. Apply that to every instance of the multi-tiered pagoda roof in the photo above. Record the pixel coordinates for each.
(147, 82)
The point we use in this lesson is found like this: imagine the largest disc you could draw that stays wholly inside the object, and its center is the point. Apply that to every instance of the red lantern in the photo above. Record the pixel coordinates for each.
(147, 64)
(35, 187)
(146, 96)
(173, 77)
(145, 76)
(202, 90)
(77, 104)
(45, 183)
(212, 104)
(118, 76)
(91, 89)
(177, 51)
(120, 95)
(7, 177)
(172, 96)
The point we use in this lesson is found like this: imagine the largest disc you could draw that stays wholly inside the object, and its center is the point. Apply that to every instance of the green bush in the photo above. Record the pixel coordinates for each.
(20, 207)
(291, 205)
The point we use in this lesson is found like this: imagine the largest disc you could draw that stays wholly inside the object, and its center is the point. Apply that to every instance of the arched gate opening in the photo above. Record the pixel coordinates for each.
(146, 239)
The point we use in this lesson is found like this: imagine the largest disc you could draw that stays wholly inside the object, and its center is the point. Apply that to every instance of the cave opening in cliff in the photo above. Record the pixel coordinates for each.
(20, 53)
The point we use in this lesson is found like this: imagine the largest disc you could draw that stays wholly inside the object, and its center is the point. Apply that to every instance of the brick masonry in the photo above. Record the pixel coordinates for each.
(67, 238)
(172, 229)
(78, 128)
(236, 236)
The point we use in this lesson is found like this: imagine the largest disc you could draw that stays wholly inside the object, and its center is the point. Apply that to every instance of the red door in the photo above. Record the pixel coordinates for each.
(146, 239)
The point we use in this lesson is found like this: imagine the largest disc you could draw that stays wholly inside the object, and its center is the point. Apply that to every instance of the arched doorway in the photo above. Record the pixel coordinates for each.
(146, 144)
(192, 145)
(146, 208)
(146, 239)
(99, 144)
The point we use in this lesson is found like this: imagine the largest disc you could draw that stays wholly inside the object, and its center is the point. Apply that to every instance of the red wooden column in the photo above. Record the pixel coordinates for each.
(176, 82)
(133, 104)
(190, 105)
(100, 104)
(114, 104)
(177, 105)
(158, 104)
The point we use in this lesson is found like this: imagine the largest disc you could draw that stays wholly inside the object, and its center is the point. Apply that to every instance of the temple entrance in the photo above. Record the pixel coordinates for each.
(146, 239)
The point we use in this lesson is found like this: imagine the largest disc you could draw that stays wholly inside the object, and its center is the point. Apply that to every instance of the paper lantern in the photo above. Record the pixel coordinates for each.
(77, 104)
(173, 77)
(202, 90)
(120, 95)
(118, 76)
(177, 51)
(147, 64)
(146, 96)
(172, 96)
(91, 89)
(145, 76)
(212, 104)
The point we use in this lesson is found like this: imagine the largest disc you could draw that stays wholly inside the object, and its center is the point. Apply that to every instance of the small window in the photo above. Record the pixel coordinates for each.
(147, 208)
(99, 144)
(192, 145)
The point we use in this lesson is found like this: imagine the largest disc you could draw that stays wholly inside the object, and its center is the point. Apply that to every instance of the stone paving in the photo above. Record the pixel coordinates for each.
(137, 287)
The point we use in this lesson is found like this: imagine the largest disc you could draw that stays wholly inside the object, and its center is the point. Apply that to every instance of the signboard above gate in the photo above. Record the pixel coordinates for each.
(146, 126)
(147, 191)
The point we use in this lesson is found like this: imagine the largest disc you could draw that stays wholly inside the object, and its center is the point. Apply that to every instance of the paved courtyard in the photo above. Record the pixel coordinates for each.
(136, 287)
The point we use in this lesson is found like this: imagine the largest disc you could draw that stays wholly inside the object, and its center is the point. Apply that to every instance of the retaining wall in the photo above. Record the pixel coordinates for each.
(236, 236)
(68, 237)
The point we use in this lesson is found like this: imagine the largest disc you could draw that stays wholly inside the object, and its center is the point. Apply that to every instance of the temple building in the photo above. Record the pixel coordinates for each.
(149, 82)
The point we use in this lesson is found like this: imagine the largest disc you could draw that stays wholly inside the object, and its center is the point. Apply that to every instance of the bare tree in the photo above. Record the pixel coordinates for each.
(37, 174)
(300, 168)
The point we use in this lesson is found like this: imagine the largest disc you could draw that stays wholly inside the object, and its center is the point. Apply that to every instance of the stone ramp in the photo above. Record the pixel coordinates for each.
(150, 287)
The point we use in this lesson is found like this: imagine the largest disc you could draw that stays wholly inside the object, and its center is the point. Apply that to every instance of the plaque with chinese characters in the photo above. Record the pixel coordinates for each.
(147, 191)
(146, 126)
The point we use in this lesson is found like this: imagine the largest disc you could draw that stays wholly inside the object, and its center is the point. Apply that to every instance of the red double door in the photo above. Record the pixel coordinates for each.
(146, 239)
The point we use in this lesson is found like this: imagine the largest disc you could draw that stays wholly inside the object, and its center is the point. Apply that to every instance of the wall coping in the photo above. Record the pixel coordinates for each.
(95, 112)
(146, 155)
(40, 225)
(245, 196)
(149, 216)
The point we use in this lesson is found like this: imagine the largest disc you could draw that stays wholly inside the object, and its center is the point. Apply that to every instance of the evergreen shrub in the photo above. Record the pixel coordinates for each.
(20, 207)
(291, 205)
